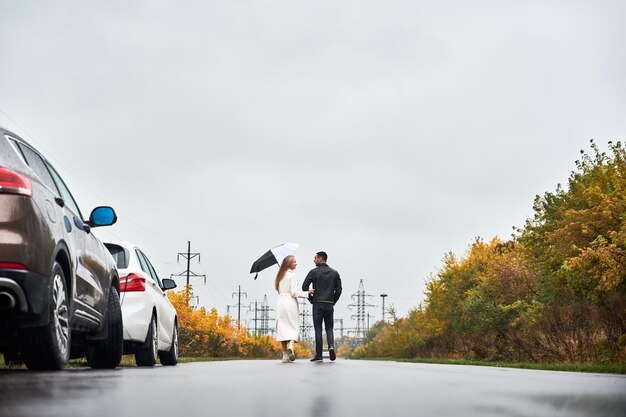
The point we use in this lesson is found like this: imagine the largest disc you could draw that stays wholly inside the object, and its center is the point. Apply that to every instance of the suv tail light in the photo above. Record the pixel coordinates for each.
(12, 265)
(132, 282)
(13, 183)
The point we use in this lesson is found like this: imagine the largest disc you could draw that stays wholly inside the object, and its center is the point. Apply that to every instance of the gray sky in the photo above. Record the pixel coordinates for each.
(385, 133)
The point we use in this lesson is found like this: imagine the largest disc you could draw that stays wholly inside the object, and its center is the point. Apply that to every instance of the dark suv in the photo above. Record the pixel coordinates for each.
(59, 288)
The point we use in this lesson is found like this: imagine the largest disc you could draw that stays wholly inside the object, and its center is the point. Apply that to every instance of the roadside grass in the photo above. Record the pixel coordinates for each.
(565, 367)
(128, 361)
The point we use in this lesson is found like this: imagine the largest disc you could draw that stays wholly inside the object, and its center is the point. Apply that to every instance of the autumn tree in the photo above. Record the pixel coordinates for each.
(555, 292)
(204, 332)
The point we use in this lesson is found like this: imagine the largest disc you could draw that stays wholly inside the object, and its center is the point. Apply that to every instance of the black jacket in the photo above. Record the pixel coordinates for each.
(326, 282)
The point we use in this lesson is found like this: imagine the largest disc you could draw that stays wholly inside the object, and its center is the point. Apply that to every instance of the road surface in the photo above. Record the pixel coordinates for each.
(343, 388)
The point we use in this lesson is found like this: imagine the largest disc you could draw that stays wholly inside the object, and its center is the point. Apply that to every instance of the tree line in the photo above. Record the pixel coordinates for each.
(554, 292)
(204, 333)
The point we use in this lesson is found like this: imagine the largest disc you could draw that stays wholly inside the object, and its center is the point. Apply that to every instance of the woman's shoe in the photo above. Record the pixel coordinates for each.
(285, 357)
(290, 352)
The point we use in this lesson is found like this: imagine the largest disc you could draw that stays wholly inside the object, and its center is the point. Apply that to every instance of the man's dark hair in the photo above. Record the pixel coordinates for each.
(322, 255)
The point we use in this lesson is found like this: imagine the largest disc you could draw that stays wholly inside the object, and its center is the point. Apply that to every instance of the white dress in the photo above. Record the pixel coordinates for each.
(287, 309)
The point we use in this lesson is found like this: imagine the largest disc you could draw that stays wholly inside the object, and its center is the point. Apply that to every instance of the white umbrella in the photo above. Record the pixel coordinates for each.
(273, 256)
(280, 252)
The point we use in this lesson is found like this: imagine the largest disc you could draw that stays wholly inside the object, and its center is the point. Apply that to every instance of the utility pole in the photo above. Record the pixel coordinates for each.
(383, 297)
(239, 294)
(360, 316)
(188, 255)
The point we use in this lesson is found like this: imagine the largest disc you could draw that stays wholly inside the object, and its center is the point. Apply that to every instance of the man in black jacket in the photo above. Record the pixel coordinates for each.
(327, 285)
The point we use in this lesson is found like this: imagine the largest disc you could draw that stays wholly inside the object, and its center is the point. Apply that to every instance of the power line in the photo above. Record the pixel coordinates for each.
(77, 178)
(210, 291)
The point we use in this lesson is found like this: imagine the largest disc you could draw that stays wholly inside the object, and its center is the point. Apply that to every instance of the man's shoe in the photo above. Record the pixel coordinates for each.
(317, 359)
(332, 354)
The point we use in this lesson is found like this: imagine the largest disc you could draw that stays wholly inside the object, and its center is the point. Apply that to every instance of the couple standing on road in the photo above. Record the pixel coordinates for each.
(323, 295)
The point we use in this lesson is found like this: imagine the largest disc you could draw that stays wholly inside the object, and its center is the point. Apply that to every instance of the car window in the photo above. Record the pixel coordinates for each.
(155, 276)
(65, 192)
(119, 255)
(37, 164)
(16, 148)
(144, 264)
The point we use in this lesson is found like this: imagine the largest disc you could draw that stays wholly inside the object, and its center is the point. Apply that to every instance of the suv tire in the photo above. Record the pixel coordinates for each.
(170, 358)
(48, 347)
(13, 358)
(147, 356)
(107, 353)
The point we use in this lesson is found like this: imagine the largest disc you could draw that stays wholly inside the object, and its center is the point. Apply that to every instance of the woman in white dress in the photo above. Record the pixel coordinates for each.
(287, 309)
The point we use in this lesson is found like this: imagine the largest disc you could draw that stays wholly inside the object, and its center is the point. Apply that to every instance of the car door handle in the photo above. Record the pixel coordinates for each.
(81, 225)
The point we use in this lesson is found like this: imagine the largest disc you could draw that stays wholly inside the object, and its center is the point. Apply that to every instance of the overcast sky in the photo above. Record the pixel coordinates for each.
(385, 133)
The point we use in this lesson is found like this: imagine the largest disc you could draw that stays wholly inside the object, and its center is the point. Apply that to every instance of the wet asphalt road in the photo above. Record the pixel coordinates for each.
(344, 388)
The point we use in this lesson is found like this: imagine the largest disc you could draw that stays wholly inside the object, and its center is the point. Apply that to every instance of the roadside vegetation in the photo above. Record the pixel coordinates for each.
(607, 368)
(204, 333)
(554, 293)
(551, 297)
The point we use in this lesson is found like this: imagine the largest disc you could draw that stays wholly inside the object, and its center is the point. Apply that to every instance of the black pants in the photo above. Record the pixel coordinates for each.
(323, 312)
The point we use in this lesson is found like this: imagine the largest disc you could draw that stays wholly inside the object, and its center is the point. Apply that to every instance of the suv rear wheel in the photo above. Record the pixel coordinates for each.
(13, 358)
(48, 347)
(107, 353)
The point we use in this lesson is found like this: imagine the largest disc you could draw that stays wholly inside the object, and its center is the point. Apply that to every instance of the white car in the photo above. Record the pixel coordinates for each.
(150, 321)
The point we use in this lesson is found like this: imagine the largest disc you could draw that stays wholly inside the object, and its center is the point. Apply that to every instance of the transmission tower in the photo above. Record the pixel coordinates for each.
(361, 314)
(188, 255)
(305, 325)
(257, 307)
(340, 328)
(265, 317)
(238, 305)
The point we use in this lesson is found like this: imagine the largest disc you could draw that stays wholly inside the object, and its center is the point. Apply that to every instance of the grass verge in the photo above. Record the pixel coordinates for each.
(128, 361)
(565, 367)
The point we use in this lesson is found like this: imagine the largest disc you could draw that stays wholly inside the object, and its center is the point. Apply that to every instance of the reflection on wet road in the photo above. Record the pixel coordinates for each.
(343, 388)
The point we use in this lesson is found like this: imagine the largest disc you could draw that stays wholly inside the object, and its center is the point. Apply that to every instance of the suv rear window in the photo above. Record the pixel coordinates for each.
(119, 255)
(39, 167)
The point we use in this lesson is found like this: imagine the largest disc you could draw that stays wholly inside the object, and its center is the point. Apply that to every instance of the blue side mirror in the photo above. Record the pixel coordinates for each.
(102, 216)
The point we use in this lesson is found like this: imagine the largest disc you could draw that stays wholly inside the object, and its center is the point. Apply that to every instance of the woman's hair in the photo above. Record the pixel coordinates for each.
(283, 270)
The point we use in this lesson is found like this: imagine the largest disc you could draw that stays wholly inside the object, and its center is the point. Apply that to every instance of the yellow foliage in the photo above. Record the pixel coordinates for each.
(206, 333)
